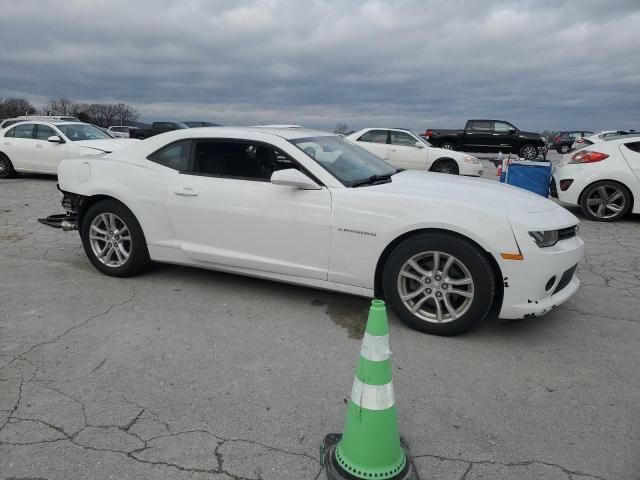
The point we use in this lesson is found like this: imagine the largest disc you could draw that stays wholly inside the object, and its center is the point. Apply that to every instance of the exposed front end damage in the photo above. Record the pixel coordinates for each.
(72, 203)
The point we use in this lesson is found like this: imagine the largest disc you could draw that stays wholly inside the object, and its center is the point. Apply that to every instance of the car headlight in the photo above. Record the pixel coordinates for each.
(547, 238)
(472, 160)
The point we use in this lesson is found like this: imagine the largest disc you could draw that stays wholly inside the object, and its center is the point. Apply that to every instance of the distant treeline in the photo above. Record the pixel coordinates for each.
(102, 114)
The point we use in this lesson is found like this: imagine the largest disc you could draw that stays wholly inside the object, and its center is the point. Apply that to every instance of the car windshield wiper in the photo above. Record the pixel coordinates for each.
(373, 180)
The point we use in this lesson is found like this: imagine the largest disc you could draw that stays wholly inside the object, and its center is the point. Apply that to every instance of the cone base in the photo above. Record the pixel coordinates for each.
(335, 472)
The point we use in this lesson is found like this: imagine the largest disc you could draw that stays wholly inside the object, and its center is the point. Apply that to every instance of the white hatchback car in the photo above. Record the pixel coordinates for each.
(38, 147)
(404, 149)
(603, 178)
(311, 208)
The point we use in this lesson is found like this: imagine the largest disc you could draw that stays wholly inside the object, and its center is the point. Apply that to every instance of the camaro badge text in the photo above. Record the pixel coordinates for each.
(359, 232)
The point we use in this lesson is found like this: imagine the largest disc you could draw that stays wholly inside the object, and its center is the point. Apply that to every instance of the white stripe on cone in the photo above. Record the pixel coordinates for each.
(372, 397)
(375, 348)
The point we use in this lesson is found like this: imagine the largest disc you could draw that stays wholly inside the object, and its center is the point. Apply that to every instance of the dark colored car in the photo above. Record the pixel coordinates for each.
(491, 136)
(201, 124)
(157, 128)
(563, 141)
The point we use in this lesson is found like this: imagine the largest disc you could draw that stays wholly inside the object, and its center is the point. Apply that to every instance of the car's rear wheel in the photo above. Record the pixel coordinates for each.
(445, 165)
(113, 239)
(529, 151)
(605, 201)
(563, 149)
(448, 146)
(439, 283)
(6, 167)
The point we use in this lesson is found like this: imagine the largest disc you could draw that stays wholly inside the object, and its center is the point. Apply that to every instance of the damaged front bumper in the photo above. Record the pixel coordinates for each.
(66, 221)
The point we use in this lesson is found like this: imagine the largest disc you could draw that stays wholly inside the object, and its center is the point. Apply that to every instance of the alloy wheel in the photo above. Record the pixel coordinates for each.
(606, 202)
(110, 240)
(436, 287)
(529, 152)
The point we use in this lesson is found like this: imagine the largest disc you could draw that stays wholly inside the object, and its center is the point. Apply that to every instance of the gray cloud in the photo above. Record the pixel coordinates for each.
(541, 64)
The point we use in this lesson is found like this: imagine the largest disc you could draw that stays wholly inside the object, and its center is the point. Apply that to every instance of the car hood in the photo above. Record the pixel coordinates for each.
(479, 192)
(107, 145)
(531, 136)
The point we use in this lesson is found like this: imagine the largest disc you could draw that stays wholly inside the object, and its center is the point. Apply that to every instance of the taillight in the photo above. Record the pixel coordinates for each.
(428, 133)
(580, 140)
(588, 157)
(556, 139)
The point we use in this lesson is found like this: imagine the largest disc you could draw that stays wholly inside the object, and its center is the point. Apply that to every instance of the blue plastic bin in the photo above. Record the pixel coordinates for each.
(532, 176)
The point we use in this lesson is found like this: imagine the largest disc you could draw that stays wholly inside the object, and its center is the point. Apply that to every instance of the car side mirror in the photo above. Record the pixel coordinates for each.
(419, 145)
(290, 177)
(512, 131)
(54, 139)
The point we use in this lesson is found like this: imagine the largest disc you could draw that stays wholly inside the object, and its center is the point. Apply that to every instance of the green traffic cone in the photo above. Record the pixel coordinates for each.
(370, 444)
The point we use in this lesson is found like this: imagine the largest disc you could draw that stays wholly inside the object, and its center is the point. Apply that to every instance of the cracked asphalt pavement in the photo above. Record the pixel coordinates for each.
(189, 374)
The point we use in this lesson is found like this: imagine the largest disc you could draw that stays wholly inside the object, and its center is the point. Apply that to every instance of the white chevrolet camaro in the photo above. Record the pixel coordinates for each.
(38, 146)
(311, 208)
(405, 149)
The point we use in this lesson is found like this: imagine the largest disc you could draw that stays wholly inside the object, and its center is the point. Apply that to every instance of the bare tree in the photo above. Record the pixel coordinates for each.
(14, 107)
(341, 128)
(61, 106)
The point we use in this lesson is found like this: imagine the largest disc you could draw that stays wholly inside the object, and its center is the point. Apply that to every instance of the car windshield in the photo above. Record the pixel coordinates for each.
(82, 131)
(347, 162)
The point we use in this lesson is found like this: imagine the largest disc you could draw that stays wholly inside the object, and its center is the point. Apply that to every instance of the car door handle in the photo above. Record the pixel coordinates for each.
(7, 143)
(38, 145)
(186, 192)
(392, 150)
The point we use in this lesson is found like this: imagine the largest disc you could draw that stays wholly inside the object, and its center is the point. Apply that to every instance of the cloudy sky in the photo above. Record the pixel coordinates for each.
(543, 64)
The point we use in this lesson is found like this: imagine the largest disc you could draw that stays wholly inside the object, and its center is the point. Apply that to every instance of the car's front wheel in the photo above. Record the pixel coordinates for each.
(6, 167)
(448, 146)
(445, 165)
(113, 239)
(439, 283)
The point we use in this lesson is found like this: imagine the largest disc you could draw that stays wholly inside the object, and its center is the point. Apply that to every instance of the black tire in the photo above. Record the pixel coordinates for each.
(445, 165)
(6, 167)
(605, 213)
(564, 149)
(448, 146)
(472, 258)
(138, 259)
(528, 151)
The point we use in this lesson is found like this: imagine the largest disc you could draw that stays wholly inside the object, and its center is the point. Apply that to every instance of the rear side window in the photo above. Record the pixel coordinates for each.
(23, 131)
(239, 160)
(480, 125)
(174, 156)
(43, 132)
(635, 146)
(374, 136)
(10, 133)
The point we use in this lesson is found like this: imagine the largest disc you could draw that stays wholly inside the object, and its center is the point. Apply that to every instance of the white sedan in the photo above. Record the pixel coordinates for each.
(38, 147)
(603, 178)
(404, 149)
(311, 208)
